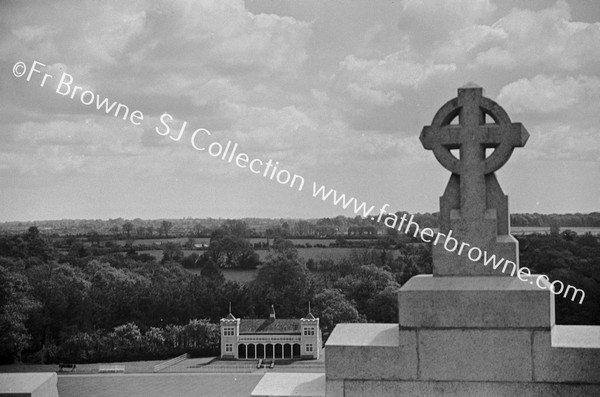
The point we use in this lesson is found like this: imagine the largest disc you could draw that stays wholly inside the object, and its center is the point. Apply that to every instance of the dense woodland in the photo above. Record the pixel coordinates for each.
(86, 300)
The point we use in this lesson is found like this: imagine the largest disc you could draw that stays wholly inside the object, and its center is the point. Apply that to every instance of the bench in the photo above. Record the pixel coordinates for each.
(259, 364)
(266, 364)
(62, 366)
(111, 368)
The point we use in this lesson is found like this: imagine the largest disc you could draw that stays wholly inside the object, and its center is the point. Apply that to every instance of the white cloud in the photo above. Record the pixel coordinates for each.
(373, 96)
(213, 55)
(215, 90)
(379, 82)
(559, 142)
(223, 37)
(147, 45)
(428, 21)
(286, 131)
(546, 38)
(99, 32)
(79, 146)
(546, 94)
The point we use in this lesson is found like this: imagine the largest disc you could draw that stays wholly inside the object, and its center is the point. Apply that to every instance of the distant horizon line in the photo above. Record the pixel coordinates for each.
(260, 217)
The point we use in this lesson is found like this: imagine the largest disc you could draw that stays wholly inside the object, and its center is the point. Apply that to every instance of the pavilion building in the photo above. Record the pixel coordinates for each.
(272, 338)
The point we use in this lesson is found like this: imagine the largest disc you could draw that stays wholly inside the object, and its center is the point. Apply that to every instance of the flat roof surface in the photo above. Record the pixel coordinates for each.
(365, 334)
(291, 384)
(576, 336)
(23, 382)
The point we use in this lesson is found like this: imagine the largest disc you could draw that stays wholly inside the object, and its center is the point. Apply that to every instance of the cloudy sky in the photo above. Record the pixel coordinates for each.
(337, 92)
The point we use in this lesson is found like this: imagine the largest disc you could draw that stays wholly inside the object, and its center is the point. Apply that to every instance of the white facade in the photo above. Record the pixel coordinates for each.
(251, 339)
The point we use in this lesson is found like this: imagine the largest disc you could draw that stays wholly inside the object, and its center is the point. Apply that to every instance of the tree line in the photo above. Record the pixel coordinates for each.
(290, 228)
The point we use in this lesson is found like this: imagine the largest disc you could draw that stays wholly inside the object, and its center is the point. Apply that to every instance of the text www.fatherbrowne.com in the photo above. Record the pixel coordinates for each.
(201, 140)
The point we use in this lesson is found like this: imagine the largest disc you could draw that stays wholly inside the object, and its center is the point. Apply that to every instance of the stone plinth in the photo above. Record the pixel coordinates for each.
(464, 389)
(466, 336)
(371, 351)
(569, 353)
(463, 361)
(475, 302)
(31, 384)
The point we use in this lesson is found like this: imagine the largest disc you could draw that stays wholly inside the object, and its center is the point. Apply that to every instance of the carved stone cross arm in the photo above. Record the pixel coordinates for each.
(472, 135)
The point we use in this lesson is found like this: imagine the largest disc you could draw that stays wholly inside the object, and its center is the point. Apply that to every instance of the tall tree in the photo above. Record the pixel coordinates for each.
(332, 308)
(364, 288)
(16, 303)
(283, 281)
(127, 228)
(165, 226)
(229, 246)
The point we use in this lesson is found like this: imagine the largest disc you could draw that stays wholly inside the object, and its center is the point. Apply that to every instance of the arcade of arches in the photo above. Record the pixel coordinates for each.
(269, 350)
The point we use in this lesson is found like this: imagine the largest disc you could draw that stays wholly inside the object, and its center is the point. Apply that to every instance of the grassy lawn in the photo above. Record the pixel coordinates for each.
(159, 385)
(92, 368)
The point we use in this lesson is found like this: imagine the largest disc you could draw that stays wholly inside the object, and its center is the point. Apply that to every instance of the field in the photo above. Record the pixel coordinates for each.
(205, 240)
(159, 253)
(244, 276)
(546, 230)
(315, 254)
(237, 275)
(327, 241)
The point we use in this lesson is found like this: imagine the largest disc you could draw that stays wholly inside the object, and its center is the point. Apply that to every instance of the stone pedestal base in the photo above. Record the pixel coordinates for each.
(475, 302)
(463, 389)
(459, 336)
(461, 362)
(466, 336)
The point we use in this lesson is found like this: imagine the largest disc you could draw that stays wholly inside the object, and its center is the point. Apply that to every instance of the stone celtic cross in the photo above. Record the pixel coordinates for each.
(473, 205)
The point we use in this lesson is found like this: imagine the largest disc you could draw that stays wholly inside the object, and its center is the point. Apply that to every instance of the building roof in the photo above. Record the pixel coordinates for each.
(310, 316)
(230, 317)
(269, 326)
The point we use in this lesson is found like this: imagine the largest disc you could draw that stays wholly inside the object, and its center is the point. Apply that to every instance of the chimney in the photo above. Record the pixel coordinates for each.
(272, 315)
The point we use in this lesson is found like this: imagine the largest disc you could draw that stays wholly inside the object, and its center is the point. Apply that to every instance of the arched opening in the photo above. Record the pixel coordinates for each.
(269, 351)
(251, 351)
(278, 351)
(452, 118)
(490, 118)
(287, 351)
(296, 351)
(241, 352)
(260, 351)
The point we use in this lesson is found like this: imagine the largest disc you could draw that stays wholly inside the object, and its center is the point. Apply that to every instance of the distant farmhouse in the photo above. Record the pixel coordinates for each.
(272, 338)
